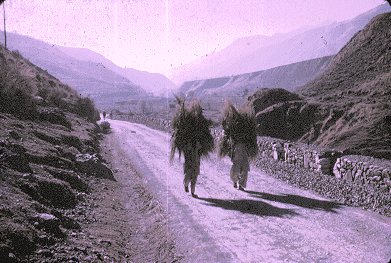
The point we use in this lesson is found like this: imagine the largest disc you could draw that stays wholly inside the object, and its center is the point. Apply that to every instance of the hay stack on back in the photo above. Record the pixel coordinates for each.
(239, 127)
(189, 127)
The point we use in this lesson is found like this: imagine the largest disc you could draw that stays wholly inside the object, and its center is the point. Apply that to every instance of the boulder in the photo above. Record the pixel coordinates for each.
(91, 165)
(49, 223)
(105, 126)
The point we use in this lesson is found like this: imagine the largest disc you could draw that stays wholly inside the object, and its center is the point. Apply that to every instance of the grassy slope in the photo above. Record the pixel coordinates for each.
(43, 127)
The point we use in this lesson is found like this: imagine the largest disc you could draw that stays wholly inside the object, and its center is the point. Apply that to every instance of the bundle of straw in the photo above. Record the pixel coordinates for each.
(190, 127)
(239, 127)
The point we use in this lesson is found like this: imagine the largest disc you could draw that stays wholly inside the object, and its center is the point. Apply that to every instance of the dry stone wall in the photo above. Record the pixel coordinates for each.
(302, 155)
(364, 170)
(353, 168)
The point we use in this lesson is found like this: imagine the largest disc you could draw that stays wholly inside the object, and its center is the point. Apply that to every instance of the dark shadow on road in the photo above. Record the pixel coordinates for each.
(248, 206)
(298, 200)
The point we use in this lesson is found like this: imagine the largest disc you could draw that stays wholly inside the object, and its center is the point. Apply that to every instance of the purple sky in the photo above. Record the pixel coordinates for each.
(156, 35)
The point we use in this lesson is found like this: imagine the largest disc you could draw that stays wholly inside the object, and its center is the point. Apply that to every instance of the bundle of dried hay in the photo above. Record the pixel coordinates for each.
(189, 126)
(239, 127)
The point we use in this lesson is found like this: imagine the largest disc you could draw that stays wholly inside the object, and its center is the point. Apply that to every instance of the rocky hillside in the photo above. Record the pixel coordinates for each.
(48, 157)
(347, 107)
(103, 85)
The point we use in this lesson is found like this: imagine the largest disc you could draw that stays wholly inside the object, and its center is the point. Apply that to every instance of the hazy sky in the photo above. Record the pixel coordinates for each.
(156, 35)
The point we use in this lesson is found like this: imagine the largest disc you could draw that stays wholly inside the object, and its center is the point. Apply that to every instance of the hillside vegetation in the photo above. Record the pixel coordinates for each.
(30, 92)
(88, 78)
(346, 108)
(45, 128)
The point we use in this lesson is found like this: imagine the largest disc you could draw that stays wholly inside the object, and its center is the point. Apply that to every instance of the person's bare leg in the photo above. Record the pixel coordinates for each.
(193, 185)
(243, 179)
(186, 182)
(234, 177)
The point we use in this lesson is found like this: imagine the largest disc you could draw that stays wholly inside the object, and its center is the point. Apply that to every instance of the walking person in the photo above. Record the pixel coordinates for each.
(191, 137)
(239, 142)
(240, 166)
(191, 167)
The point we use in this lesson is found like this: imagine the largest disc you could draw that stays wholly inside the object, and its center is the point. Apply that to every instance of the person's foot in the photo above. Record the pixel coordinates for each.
(186, 189)
(194, 195)
(241, 188)
(235, 185)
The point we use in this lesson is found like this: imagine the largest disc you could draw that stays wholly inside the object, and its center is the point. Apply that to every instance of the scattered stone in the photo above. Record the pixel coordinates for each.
(38, 100)
(91, 165)
(70, 177)
(53, 115)
(106, 242)
(70, 153)
(89, 258)
(49, 223)
(45, 252)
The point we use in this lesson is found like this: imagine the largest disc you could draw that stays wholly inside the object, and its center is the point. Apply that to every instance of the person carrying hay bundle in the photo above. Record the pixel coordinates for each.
(191, 136)
(239, 142)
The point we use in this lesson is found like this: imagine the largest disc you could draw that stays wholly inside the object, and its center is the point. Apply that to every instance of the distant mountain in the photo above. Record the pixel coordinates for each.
(238, 87)
(154, 83)
(89, 79)
(260, 52)
(347, 107)
(210, 66)
(287, 77)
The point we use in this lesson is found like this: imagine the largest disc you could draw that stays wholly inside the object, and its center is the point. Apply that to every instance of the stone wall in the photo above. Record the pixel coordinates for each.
(364, 170)
(359, 169)
(298, 154)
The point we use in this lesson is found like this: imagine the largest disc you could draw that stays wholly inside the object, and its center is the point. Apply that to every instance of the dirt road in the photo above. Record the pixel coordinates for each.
(269, 222)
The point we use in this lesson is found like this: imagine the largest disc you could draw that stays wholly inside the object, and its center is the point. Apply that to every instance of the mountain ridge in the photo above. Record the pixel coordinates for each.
(235, 88)
(320, 42)
(90, 79)
(154, 83)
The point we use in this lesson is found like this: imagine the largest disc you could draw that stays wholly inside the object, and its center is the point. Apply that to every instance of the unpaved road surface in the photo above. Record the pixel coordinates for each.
(269, 222)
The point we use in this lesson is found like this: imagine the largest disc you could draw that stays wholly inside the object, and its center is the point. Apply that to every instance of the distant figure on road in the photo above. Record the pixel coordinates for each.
(104, 115)
(192, 137)
(239, 142)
